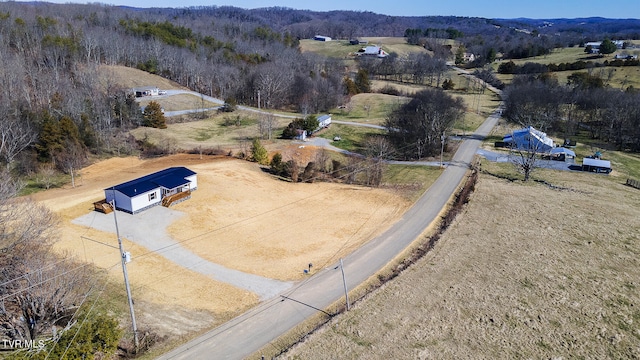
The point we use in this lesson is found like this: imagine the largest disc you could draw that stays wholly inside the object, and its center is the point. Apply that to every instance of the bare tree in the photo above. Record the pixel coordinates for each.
(377, 150)
(266, 124)
(71, 158)
(321, 159)
(38, 288)
(15, 136)
(526, 149)
(47, 173)
(273, 81)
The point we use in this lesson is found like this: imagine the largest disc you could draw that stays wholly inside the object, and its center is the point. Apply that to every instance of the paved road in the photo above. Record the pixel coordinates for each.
(258, 327)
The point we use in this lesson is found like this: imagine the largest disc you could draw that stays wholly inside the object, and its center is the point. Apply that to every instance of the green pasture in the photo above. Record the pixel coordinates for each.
(413, 180)
(370, 108)
(615, 77)
(352, 137)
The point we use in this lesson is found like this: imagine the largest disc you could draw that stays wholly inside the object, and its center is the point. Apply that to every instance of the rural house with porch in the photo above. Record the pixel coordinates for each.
(165, 187)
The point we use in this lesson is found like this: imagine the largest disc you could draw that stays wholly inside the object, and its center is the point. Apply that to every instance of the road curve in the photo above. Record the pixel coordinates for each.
(258, 327)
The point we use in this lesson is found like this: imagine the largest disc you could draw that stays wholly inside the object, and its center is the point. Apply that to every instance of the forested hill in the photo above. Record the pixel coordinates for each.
(53, 103)
(349, 24)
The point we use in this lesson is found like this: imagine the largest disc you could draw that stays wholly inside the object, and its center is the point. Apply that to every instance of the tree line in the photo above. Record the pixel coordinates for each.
(609, 115)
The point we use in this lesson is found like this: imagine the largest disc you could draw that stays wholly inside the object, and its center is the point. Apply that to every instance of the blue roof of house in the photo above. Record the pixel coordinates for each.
(168, 178)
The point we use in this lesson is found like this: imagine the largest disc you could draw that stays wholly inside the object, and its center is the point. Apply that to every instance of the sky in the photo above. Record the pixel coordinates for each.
(534, 9)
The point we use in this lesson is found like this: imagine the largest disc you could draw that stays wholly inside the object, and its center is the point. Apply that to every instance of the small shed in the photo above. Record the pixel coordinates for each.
(164, 187)
(321, 38)
(562, 154)
(596, 165)
(300, 134)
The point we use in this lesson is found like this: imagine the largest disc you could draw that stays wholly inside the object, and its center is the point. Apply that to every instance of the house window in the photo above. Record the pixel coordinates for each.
(152, 196)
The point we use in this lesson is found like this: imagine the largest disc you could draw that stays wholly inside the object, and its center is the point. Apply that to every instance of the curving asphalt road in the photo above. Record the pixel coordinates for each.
(258, 327)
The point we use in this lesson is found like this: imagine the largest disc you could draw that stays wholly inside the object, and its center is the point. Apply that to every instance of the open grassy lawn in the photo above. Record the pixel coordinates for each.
(228, 130)
(616, 77)
(408, 177)
(179, 102)
(352, 137)
(341, 49)
(370, 108)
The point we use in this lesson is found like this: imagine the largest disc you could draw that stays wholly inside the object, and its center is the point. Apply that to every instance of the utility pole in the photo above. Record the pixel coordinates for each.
(442, 138)
(344, 283)
(123, 259)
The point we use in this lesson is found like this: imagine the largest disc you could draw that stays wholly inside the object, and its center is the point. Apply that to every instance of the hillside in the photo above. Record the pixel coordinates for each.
(518, 275)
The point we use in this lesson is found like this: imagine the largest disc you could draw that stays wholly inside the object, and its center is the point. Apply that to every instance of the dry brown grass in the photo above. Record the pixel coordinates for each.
(524, 272)
(179, 102)
(239, 217)
(129, 78)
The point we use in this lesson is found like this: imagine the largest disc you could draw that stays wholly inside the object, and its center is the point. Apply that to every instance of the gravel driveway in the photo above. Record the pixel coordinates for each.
(149, 229)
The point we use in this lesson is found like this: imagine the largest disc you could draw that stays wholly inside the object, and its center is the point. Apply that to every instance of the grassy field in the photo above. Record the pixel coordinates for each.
(526, 271)
(416, 179)
(352, 137)
(179, 102)
(341, 49)
(371, 108)
(129, 78)
(228, 130)
(619, 77)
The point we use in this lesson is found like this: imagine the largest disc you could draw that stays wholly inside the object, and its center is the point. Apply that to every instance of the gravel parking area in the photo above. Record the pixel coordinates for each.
(148, 229)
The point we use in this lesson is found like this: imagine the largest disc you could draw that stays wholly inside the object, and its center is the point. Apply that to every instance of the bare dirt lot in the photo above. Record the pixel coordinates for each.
(240, 217)
(526, 271)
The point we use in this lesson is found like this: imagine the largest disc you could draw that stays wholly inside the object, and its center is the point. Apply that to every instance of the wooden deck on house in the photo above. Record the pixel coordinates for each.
(175, 198)
(103, 206)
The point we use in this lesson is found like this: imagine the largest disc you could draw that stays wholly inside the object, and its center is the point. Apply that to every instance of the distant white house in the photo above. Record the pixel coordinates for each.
(372, 50)
(321, 38)
(529, 139)
(175, 183)
(468, 57)
(595, 45)
(146, 91)
(324, 121)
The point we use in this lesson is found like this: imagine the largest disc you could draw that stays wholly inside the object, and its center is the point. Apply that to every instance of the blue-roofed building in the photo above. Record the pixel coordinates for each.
(529, 139)
(163, 187)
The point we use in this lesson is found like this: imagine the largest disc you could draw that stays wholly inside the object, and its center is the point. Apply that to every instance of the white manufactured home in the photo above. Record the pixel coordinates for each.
(164, 187)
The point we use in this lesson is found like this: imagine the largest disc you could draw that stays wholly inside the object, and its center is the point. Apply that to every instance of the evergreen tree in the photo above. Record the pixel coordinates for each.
(154, 116)
(277, 166)
(350, 86)
(50, 138)
(93, 336)
(363, 84)
(258, 153)
(448, 84)
(607, 47)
